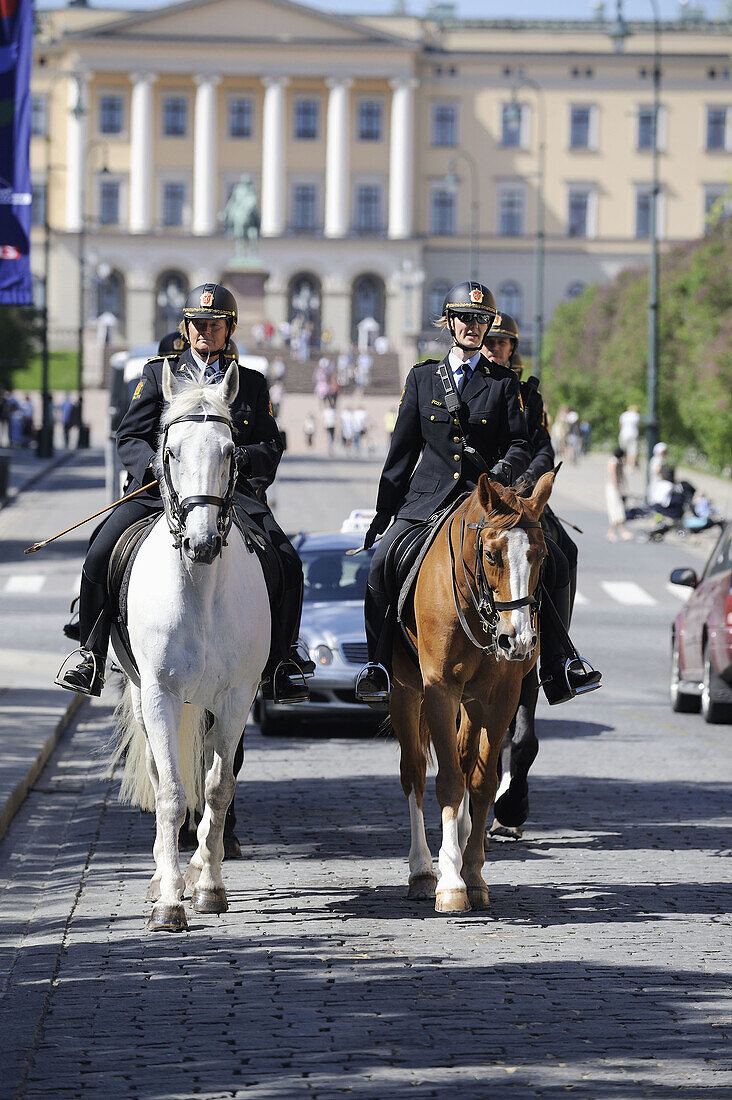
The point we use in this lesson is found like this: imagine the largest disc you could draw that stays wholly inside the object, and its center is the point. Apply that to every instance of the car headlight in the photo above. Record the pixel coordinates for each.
(322, 655)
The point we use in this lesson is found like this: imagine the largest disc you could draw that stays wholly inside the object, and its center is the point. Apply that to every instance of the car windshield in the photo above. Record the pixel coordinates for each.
(330, 575)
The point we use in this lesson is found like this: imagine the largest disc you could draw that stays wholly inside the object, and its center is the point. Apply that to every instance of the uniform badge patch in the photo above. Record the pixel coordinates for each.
(521, 402)
(439, 403)
(138, 389)
(206, 299)
(476, 295)
(271, 410)
(402, 397)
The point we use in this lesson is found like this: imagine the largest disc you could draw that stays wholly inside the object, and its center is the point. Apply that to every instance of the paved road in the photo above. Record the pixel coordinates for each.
(601, 969)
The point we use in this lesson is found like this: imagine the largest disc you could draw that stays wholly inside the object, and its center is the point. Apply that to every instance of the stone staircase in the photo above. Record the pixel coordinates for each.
(299, 376)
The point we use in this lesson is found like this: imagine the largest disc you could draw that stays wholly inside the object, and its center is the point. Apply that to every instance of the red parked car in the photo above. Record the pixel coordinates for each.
(701, 638)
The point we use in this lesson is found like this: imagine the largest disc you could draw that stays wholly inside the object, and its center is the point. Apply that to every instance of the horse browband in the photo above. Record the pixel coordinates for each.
(486, 607)
(180, 508)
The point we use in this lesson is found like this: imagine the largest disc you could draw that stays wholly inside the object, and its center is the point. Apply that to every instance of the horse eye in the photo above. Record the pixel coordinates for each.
(171, 455)
(489, 557)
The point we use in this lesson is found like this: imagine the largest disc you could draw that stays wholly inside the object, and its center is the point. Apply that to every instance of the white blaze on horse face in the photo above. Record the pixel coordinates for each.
(519, 566)
(201, 469)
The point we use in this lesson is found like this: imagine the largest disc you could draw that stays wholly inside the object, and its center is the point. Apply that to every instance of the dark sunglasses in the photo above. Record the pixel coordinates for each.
(481, 318)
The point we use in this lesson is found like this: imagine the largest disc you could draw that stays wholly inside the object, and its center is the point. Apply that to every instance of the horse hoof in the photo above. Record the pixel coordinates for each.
(192, 875)
(232, 847)
(506, 832)
(209, 901)
(422, 886)
(478, 897)
(452, 901)
(167, 918)
(153, 890)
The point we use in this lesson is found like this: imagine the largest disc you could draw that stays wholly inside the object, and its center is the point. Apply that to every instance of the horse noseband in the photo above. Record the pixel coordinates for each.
(178, 508)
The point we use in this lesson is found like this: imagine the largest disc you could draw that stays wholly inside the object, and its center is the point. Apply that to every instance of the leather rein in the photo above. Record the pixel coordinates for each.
(177, 510)
(483, 600)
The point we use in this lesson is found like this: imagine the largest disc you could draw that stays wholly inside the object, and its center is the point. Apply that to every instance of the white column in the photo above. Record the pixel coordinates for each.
(273, 217)
(76, 151)
(141, 152)
(205, 155)
(401, 159)
(337, 159)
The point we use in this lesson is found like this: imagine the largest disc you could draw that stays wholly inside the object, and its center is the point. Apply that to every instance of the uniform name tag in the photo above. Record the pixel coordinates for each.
(438, 403)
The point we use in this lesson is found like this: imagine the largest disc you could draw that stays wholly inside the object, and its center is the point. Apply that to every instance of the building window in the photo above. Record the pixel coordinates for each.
(574, 290)
(39, 192)
(175, 116)
(367, 301)
(369, 120)
(368, 208)
(643, 203)
(110, 295)
(306, 119)
(582, 125)
(578, 213)
(171, 291)
(109, 202)
(645, 128)
(39, 116)
(444, 124)
(512, 116)
(174, 197)
(304, 207)
(110, 114)
(435, 299)
(509, 301)
(510, 212)
(716, 129)
(442, 212)
(241, 122)
(717, 203)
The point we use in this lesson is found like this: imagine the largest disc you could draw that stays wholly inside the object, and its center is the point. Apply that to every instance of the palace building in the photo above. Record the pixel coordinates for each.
(391, 156)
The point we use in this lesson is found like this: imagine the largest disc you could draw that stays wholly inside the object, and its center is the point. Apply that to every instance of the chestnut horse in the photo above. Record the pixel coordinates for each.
(475, 631)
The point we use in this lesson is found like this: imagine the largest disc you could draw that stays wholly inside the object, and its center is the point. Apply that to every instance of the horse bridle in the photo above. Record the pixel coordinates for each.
(486, 606)
(178, 509)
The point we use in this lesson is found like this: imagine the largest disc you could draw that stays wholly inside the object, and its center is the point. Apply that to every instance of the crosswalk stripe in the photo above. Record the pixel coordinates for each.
(25, 582)
(628, 592)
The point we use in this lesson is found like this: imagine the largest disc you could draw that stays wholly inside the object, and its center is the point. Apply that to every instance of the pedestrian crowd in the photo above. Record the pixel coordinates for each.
(20, 422)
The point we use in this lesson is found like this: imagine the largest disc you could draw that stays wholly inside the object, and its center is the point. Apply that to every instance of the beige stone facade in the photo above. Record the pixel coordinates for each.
(384, 152)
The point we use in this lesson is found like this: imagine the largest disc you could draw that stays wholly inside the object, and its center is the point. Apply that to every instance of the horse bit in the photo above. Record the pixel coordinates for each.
(179, 509)
(484, 603)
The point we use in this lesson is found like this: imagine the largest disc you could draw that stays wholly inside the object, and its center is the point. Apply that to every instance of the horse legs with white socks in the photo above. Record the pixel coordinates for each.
(199, 626)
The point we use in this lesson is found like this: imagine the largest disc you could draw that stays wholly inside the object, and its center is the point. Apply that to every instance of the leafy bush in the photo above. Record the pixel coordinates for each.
(19, 336)
(596, 350)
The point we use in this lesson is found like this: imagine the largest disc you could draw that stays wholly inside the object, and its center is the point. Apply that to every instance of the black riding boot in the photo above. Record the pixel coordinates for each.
(373, 684)
(283, 678)
(94, 625)
(564, 673)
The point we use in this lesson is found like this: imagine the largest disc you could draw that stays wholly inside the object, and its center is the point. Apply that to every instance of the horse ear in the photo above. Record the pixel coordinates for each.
(229, 387)
(170, 383)
(487, 495)
(542, 491)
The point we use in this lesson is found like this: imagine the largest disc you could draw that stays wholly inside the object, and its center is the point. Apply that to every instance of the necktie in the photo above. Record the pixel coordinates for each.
(461, 376)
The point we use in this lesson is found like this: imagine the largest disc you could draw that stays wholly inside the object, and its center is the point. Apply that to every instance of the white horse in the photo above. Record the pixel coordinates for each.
(199, 626)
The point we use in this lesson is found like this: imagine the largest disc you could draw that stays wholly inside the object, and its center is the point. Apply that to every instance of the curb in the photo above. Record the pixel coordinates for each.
(29, 482)
(18, 795)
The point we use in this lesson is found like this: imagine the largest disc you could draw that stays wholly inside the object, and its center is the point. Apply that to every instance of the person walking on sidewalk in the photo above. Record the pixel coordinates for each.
(614, 493)
(209, 319)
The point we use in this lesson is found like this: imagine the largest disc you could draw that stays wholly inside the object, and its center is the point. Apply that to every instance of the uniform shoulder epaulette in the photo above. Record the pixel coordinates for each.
(172, 357)
(428, 363)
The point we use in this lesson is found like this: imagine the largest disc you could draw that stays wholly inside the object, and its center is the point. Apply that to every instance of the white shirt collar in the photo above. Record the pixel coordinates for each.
(201, 363)
(456, 363)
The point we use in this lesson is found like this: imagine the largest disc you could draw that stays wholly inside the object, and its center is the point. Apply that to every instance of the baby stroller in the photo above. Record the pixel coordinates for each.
(686, 512)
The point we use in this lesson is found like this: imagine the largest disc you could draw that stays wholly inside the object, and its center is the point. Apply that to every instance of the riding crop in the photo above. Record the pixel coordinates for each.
(39, 545)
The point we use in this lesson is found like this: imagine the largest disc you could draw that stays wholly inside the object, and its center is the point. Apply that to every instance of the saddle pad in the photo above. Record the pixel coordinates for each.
(408, 568)
(121, 561)
(269, 559)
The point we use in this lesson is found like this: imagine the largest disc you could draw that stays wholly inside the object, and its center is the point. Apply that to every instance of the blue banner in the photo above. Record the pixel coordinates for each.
(16, 55)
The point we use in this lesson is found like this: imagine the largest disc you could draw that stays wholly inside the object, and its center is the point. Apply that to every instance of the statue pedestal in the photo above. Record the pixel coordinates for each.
(246, 281)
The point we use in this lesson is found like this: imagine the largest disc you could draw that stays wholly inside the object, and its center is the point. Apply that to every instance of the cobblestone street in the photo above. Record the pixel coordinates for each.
(601, 969)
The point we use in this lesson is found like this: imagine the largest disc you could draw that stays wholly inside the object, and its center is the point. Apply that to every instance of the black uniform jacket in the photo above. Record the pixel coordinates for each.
(427, 433)
(541, 445)
(254, 426)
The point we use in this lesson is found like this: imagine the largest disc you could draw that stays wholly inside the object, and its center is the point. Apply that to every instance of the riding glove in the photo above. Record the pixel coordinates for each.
(501, 472)
(243, 461)
(379, 524)
(525, 482)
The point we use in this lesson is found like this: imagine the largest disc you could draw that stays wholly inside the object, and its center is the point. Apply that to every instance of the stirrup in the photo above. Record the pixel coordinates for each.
(376, 696)
(558, 687)
(587, 668)
(300, 656)
(99, 664)
(291, 670)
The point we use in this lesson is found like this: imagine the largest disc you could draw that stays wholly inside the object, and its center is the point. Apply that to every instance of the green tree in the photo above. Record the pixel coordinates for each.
(19, 338)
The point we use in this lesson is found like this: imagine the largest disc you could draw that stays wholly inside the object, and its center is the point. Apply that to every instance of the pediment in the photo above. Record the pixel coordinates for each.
(241, 20)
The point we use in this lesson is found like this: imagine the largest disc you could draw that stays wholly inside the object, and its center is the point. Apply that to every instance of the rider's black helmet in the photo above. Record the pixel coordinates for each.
(211, 301)
(173, 344)
(504, 325)
(470, 297)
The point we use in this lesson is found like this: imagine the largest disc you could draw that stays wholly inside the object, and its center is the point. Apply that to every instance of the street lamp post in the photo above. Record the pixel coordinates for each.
(44, 446)
(619, 33)
(528, 82)
(452, 180)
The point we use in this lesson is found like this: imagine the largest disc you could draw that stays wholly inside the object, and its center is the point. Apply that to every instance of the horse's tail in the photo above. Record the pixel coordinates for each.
(129, 744)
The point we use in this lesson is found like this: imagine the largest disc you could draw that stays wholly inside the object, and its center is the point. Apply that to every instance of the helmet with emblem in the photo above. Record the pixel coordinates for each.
(470, 297)
(173, 344)
(212, 301)
(505, 325)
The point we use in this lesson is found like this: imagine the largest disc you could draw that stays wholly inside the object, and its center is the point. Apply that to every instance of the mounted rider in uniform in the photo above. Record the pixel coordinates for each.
(562, 674)
(209, 318)
(436, 456)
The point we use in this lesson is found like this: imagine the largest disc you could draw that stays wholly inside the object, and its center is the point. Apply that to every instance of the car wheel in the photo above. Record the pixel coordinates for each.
(275, 727)
(681, 701)
(713, 711)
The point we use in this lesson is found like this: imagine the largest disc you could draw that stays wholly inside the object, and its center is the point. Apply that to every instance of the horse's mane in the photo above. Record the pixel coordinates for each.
(505, 509)
(194, 395)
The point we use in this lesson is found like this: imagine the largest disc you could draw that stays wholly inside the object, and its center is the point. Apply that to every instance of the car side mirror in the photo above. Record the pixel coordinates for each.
(686, 577)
